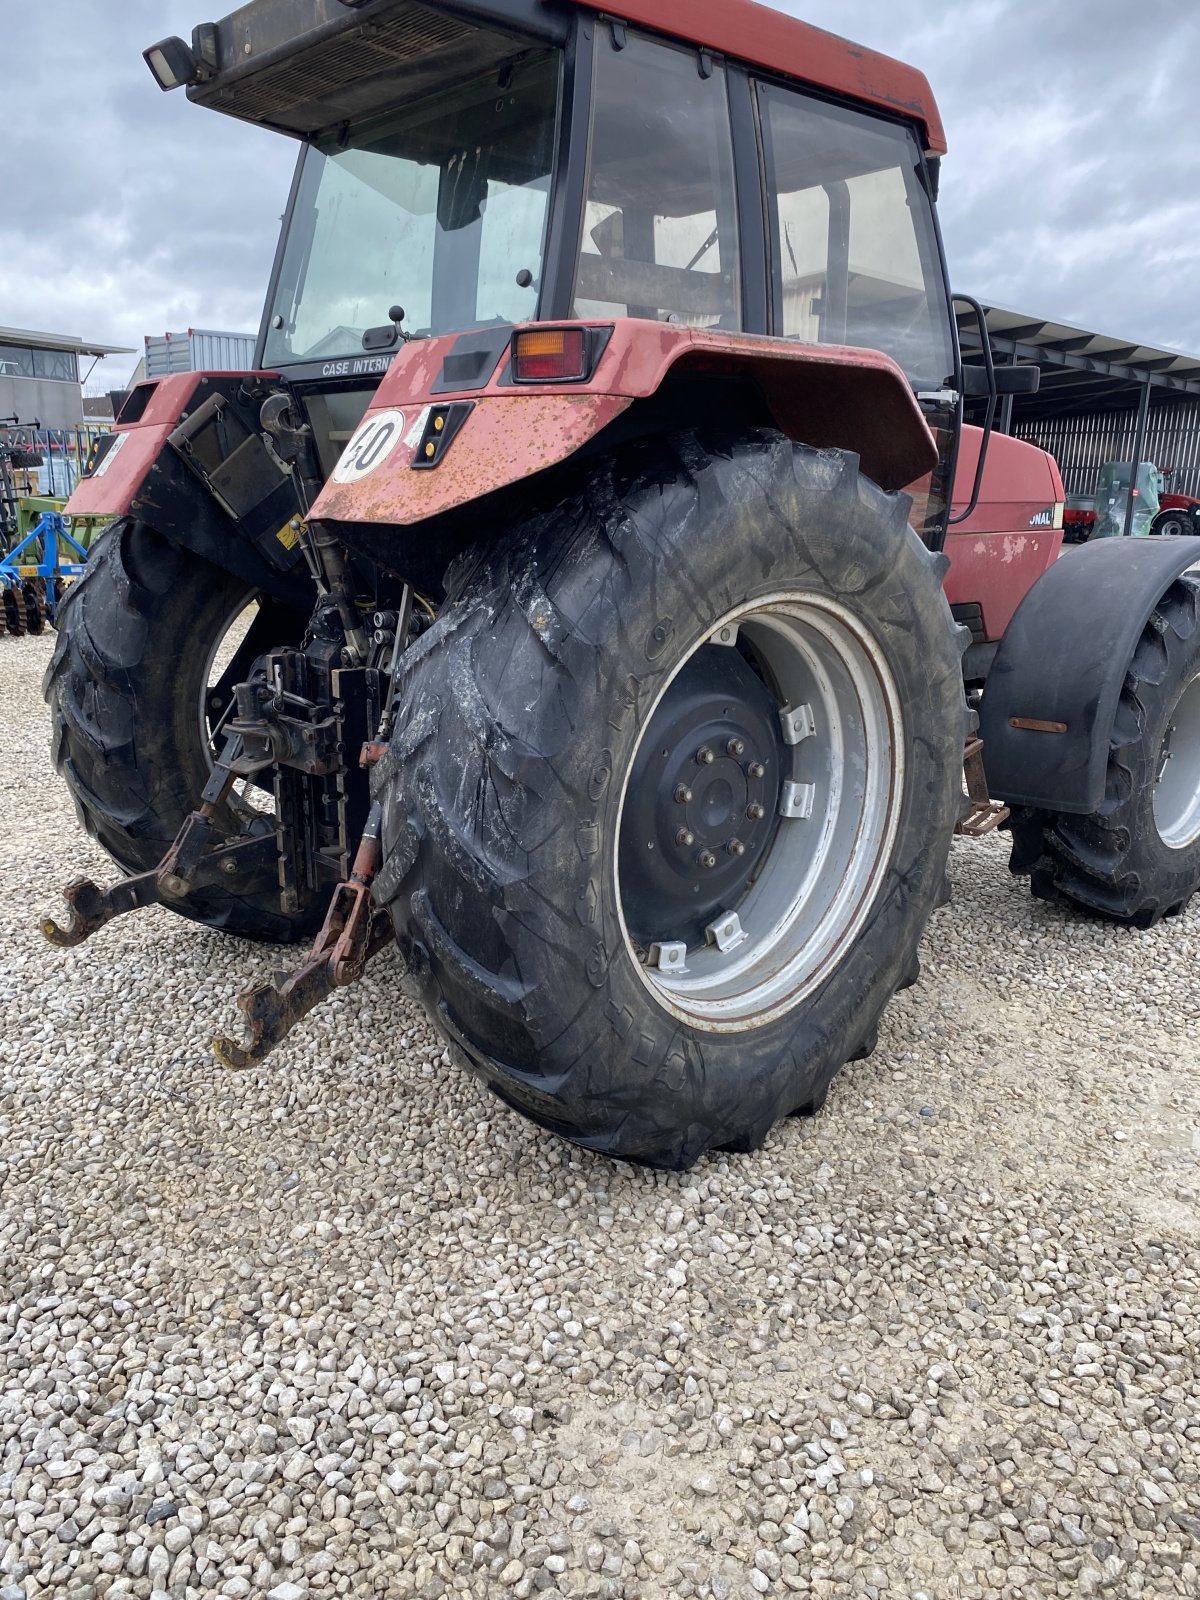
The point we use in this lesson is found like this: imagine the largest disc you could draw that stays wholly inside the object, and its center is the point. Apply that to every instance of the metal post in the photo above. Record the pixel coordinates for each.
(1006, 405)
(1139, 446)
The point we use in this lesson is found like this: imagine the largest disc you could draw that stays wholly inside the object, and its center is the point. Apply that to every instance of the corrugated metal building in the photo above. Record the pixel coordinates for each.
(198, 350)
(1082, 444)
(1101, 398)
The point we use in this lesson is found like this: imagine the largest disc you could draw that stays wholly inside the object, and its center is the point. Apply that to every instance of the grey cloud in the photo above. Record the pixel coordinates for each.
(1072, 186)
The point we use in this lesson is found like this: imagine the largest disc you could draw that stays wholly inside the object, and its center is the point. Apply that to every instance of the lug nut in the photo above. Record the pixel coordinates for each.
(682, 794)
(685, 837)
(736, 746)
(756, 770)
(707, 859)
(704, 756)
(754, 811)
(736, 847)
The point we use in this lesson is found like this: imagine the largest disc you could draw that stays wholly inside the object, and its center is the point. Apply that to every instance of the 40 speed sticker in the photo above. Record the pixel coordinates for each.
(372, 443)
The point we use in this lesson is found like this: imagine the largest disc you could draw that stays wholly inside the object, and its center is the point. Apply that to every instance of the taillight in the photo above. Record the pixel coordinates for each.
(550, 355)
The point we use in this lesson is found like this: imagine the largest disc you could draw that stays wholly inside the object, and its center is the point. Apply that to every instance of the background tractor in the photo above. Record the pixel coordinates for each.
(562, 593)
(1156, 510)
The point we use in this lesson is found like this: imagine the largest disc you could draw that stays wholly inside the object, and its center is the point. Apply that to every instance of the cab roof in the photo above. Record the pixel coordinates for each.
(763, 37)
(302, 66)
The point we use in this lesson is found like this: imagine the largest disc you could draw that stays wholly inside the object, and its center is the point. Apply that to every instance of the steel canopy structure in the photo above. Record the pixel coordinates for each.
(1081, 370)
(1101, 397)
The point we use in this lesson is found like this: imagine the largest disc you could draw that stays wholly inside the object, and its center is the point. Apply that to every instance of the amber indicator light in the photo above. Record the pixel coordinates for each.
(550, 355)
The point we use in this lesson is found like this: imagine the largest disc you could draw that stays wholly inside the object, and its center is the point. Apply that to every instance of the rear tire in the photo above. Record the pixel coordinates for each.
(1137, 858)
(1173, 524)
(528, 735)
(136, 635)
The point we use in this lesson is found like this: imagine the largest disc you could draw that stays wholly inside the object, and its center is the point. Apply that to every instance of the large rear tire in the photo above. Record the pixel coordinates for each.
(126, 686)
(722, 682)
(1174, 523)
(1136, 859)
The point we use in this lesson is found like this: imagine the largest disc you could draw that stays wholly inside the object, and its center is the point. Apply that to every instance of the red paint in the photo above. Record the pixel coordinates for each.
(501, 441)
(767, 38)
(996, 556)
(1177, 502)
(824, 395)
(112, 494)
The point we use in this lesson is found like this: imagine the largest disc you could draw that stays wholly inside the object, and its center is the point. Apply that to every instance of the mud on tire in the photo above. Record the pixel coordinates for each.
(1117, 863)
(519, 720)
(135, 637)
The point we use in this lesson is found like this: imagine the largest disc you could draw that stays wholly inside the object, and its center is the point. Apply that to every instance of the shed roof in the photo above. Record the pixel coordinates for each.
(61, 341)
(1081, 370)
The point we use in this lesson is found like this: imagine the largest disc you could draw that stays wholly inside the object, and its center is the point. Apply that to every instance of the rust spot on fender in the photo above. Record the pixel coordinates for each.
(506, 438)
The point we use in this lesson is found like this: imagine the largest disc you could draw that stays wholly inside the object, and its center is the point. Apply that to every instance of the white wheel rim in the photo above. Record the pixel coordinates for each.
(1177, 791)
(820, 877)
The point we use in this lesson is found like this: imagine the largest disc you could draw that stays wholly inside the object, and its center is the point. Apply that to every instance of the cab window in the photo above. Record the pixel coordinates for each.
(660, 222)
(855, 256)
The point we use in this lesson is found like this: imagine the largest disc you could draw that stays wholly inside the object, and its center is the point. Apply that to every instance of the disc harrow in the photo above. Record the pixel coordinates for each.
(15, 620)
(34, 574)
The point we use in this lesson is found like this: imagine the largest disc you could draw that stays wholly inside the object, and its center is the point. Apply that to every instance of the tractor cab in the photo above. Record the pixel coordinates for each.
(1116, 483)
(466, 171)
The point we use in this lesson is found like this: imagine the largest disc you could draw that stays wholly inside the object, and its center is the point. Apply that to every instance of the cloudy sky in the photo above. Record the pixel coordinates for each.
(1072, 189)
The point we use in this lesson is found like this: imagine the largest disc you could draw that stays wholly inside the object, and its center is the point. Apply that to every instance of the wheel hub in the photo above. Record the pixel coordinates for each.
(1176, 792)
(702, 798)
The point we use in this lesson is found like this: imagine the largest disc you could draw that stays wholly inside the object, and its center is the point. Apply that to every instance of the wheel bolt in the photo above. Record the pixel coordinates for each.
(707, 859)
(736, 847)
(704, 756)
(754, 811)
(685, 837)
(756, 770)
(682, 794)
(736, 746)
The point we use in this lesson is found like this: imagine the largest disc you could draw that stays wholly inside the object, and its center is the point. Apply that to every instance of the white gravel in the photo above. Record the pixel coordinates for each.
(345, 1326)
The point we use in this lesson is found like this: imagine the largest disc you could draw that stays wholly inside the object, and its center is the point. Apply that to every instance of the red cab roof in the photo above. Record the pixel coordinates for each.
(766, 38)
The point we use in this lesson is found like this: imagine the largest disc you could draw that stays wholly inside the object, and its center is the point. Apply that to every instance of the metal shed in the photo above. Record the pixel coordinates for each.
(198, 350)
(1101, 398)
(39, 376)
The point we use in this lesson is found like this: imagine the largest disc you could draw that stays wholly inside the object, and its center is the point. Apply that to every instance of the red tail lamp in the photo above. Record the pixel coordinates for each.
(550, 355)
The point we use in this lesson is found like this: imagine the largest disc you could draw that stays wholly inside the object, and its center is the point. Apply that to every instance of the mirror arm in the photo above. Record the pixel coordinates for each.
(989, 367)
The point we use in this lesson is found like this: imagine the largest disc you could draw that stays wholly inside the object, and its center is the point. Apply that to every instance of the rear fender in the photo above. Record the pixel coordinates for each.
(139, 474)
(1062, 662)
(822, 395)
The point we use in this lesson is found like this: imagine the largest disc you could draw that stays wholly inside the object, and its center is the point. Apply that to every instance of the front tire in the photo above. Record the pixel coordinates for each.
(542, 861)
(1136, 859)
(136, 639)
(1174, 524)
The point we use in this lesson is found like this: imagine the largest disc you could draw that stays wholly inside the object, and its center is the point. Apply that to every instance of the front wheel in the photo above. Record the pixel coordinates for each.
(673, 793)
(1137, 858)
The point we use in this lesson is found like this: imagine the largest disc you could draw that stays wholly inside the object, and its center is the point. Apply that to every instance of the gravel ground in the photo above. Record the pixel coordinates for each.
(344, 1326)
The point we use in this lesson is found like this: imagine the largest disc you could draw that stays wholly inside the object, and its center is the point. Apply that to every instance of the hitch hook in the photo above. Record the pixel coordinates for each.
(353, 931)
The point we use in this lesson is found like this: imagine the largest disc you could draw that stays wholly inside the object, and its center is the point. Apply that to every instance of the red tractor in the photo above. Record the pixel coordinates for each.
(562, 593)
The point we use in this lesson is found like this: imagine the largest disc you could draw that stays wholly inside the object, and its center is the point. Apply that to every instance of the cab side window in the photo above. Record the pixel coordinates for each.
(855, 258)
(660, 223)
